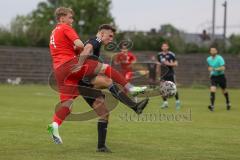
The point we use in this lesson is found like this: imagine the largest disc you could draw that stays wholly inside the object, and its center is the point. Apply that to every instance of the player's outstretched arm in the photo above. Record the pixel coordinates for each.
(172, 63)
(83, 56)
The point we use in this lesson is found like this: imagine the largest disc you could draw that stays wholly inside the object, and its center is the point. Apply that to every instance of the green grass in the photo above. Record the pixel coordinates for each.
(26, 110)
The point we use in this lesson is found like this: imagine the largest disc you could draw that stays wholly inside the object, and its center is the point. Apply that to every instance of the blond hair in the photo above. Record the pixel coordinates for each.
(62, 11)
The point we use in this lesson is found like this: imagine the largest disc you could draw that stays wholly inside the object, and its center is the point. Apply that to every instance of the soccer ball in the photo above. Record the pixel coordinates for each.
(168, 89)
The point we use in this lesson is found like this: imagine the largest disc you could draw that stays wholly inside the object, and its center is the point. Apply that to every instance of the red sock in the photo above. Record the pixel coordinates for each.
(115, 76)
(60, 115)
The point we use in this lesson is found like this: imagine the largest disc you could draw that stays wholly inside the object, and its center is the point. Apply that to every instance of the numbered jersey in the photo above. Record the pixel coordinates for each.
(62, 44)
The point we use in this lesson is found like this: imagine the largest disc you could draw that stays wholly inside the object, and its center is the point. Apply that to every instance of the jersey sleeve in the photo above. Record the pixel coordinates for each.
(221, 61)
(173, 57)
(132, 57)
(158, 57)
(71, 34)
(96, 44)
(208, 61)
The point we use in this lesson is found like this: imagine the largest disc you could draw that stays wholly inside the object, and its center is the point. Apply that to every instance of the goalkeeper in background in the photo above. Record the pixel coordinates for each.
(216, 67)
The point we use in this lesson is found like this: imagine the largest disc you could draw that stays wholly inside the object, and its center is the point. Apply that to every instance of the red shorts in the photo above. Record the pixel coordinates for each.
(127, 74)
(67, 82)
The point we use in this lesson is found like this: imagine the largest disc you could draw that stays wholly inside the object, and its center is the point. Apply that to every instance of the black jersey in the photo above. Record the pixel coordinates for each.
(96, 43)
(170, 57)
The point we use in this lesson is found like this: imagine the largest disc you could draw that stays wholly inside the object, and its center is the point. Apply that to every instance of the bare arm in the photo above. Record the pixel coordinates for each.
(222, 68)
(78, 46)
(172, 63)
(85, 53)
(210, 69)
(83, 56)
(78, 43)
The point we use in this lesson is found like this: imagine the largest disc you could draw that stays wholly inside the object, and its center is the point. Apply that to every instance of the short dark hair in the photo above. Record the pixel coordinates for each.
(107, 27)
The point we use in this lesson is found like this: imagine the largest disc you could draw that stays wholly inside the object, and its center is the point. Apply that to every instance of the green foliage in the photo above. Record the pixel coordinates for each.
(5, 36)
(235, 44)
(11, 38)
(34, 29)
(146, 43)
(92, 12)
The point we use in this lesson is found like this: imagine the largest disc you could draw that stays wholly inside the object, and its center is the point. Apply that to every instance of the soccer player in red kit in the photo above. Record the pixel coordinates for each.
(65, 46)
(126, 58)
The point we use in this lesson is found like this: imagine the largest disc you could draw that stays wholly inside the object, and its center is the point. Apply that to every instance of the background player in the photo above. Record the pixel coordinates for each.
(125, 59)
(152, 68)
(99, 80)
(216, 67)
(167, 62)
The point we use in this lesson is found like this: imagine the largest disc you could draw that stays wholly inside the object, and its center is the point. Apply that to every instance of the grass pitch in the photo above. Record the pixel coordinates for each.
(193, 133)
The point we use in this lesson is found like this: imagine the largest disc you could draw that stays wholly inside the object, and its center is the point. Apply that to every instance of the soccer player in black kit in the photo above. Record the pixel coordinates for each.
(167, 62)
(89, 84)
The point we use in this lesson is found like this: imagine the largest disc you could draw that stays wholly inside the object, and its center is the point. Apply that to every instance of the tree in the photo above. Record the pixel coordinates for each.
(172, 35)
(235, 44)
(39, 23)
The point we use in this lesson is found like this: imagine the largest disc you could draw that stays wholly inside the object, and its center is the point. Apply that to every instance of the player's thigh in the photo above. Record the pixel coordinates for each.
(223, 83)
(101, 82)
(213, 88)
(213, 84)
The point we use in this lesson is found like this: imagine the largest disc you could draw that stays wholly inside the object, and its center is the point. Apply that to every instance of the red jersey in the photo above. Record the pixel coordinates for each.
(62, 44)
(125, 60)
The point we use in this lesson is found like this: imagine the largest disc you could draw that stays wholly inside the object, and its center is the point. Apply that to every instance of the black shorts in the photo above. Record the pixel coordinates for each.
(168, 78)
(88, 92)
(219, 81)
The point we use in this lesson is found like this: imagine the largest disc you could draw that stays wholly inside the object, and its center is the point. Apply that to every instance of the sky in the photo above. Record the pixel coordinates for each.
(187, 15)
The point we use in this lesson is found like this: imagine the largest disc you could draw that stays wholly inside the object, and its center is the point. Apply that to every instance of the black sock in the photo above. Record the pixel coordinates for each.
(212, 98)
(102, 132)
(121, 96)
(177, 96)
(227, 97)
(164, 99)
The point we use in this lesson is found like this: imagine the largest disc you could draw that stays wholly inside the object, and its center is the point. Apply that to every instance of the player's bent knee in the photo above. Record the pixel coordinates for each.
(108, 82)
(213, 89)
